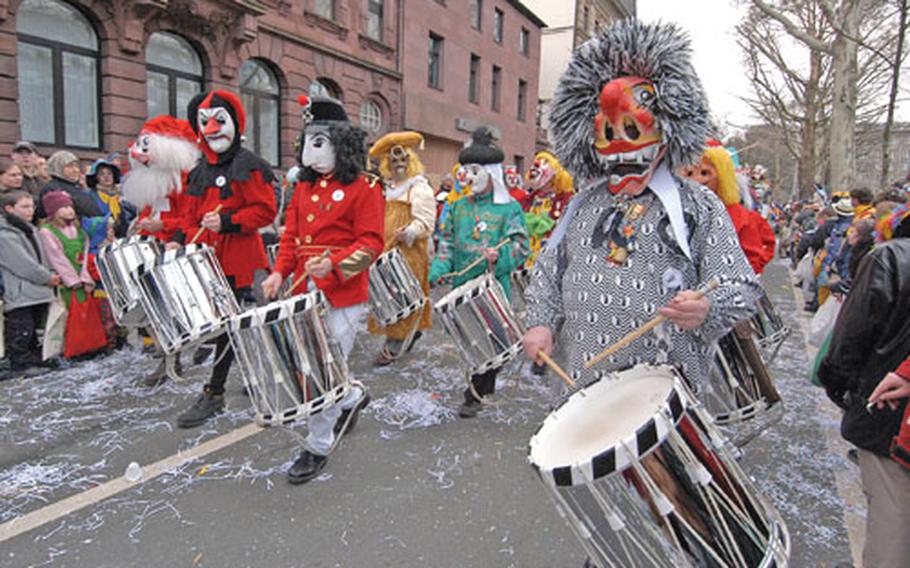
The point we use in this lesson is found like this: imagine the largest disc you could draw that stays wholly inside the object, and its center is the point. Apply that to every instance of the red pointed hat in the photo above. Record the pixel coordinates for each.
(167, 125)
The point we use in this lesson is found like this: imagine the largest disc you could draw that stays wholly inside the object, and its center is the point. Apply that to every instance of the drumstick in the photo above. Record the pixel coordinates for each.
(199, 232)
(542, 355)
(471, 266)
(303, 276)
(635, 334)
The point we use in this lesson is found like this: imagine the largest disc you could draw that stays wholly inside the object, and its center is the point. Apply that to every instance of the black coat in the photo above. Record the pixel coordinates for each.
(871, 338)
(83, 202)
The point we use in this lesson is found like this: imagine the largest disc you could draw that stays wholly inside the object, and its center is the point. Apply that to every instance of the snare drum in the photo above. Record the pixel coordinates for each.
(769, 328)
(291, 364)
(117, 264)
(395, 293)
(521, 278)
(478, 316)
(186, 296)
(739, 384)
(643, 478)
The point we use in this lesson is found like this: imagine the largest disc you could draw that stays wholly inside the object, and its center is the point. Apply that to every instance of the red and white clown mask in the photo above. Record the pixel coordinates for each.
(217, 127)
(140, 150)
(513, 177)
(540, 175)
(627, 137)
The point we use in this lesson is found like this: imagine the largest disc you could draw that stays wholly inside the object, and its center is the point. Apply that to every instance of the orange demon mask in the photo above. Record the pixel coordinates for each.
(627, 140)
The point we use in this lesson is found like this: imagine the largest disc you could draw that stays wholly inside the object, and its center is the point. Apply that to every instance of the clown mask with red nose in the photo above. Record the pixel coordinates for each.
(627, 137)
(512, 177)
(540, 175)
(217, 127)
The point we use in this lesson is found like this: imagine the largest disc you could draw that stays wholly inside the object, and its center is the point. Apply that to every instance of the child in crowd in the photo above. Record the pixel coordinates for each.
(29, 283)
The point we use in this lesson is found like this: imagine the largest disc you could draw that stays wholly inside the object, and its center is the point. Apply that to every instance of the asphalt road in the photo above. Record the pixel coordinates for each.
(412, 486)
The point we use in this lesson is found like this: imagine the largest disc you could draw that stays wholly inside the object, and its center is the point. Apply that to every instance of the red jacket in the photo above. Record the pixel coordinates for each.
(750, 239)
(173, 219)
(238, 246)
(768, 239)
(346, 220)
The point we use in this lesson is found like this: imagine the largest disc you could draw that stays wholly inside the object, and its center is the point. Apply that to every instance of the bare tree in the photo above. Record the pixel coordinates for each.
(896, 63)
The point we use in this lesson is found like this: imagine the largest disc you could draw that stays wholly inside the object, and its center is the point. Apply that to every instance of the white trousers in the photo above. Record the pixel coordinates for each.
(344, 324)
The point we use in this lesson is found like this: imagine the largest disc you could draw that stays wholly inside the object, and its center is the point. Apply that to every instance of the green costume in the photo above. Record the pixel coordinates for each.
(74, 249)
(476, 223)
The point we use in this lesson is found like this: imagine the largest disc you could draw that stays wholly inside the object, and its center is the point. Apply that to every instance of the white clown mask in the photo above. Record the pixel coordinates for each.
(217, 127)
(318, 152)
(477, 176)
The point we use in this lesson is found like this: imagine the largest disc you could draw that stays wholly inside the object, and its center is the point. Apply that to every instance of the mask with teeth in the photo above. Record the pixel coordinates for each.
(627, 137)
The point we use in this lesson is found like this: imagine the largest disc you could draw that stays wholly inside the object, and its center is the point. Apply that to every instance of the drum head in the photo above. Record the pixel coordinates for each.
(597, 420)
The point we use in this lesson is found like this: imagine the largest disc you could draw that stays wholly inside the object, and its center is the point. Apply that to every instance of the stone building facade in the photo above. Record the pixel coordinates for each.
(469, 63)
(85, 74)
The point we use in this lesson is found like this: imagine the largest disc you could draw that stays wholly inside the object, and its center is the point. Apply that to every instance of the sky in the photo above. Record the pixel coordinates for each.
(716, 56)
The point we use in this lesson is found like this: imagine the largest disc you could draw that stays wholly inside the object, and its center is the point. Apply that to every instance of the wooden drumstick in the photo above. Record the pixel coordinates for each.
(542, 355)
(303, 276)
(201, 229)
(477, 261)
(635, 334)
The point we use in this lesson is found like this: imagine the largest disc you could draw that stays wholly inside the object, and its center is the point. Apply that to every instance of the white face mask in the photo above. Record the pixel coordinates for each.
(477, 177)
(318, 153)
(217, 127)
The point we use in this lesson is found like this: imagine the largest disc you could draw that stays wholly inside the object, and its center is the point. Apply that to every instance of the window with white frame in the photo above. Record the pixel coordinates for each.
(57, 63)
(261, 96)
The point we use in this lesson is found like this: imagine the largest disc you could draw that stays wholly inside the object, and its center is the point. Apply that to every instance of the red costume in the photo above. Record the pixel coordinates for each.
(753, 233)
(346, 220)
(238, 181)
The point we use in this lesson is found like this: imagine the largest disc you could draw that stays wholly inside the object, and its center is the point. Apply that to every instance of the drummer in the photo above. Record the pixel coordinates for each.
(476, 225)
(636, 241)
(333, 233)
(410, 217)
(232, 198)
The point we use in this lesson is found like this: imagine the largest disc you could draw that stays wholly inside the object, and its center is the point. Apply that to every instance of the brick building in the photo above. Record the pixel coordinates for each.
(571, 23)
(469, 63)
(84, 75)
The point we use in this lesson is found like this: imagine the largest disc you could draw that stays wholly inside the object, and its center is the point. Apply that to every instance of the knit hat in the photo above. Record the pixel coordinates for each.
(53, 201)
(481, 149)
(58, 161)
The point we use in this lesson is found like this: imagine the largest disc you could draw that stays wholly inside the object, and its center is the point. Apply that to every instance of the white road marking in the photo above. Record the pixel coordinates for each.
(54, 511)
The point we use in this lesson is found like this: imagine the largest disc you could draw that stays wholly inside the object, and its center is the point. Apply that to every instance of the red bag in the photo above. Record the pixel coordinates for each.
(84, 329)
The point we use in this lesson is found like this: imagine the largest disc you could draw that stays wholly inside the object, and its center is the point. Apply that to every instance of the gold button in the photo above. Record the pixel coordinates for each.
(323, 183)
(315, 198)
(308, 239)
(310, 218)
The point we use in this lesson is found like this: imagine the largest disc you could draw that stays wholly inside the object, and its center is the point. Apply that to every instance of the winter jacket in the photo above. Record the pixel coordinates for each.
(871, 338)
(83, 202)
(22, 263)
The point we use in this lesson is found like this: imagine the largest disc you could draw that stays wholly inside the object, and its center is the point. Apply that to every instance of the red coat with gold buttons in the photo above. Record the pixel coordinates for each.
(238, 246)
(345, 220)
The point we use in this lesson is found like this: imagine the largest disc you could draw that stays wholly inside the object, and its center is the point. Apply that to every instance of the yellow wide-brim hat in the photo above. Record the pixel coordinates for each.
(407, 139)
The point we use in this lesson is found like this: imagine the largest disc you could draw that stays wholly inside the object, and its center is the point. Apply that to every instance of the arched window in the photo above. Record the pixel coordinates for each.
(174, 72)
(261, 97)
(58, 75)
(323, 87)
(371, 117)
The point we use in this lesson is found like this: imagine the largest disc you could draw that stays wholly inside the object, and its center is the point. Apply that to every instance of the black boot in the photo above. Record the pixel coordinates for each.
(206, 406)
(361, 404)
(307, 466)
(202, 353)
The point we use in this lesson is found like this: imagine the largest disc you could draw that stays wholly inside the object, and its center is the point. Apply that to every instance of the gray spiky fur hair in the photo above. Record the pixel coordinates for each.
(658, 52)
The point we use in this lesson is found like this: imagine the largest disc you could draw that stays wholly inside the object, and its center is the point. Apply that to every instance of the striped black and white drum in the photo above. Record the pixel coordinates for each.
(186, 296)
(395, 292)
(739, 386)
(769, 327)
(478, 317)
(636, 468)
(521, 278)
(117, 263)
(291, 364)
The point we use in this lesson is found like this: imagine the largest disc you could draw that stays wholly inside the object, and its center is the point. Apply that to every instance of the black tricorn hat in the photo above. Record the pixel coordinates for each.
(322, 110)
(481, 149)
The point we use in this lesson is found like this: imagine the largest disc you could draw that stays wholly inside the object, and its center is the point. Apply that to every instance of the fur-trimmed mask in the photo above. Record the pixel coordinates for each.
(627, 137)
(628, 100)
